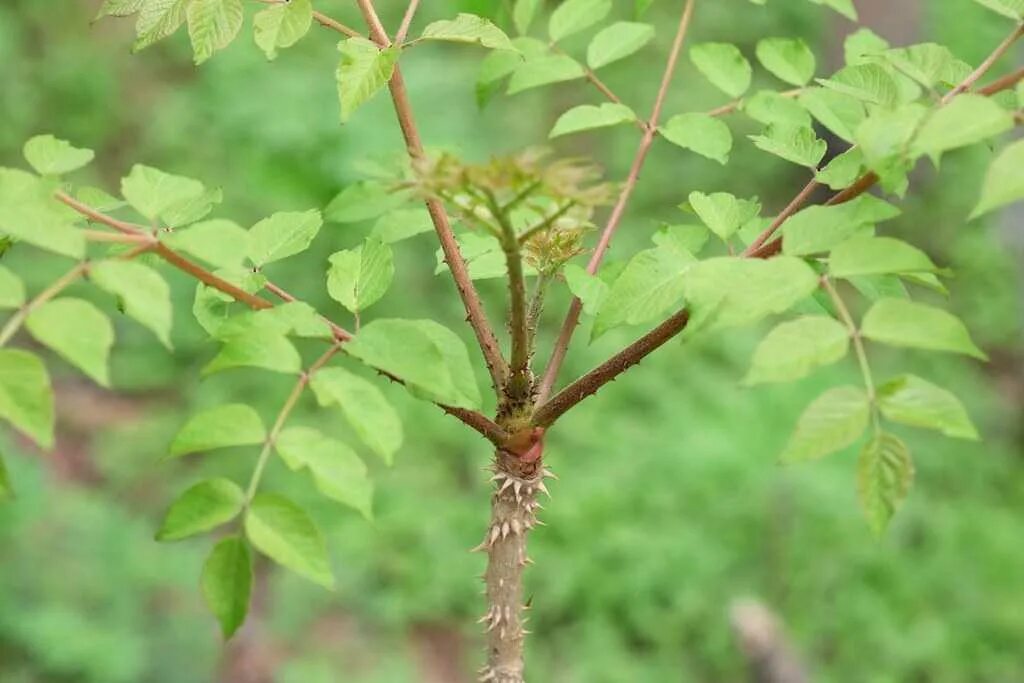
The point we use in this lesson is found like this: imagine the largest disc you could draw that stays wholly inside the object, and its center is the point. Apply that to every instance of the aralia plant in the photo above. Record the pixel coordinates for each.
(838, 282)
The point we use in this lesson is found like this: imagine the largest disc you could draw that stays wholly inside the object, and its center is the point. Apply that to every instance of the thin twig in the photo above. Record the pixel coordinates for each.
(323, 20)
(56, 287)
(403, 29)
(561, 346)
(339, 332)
(476, 316)
(985, 66)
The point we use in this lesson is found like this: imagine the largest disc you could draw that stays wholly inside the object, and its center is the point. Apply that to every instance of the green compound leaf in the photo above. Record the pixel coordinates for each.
(283, 531)
(796, 144)
(651, 284)
(830, 423)
(283, 25)
(913, 401)
(227, 582)
(840, 113)
(429, 357)
(820, 228)
(724, 66)
(234, 424)
(257, 341)
(369, 413)
(1004, 182)
(26, 397)
(618, 41)
(401, 225)
(898, 322)
(51, 156)
(573, 16)
(589, 289)
(843, 170)
(967, 120)
(219, 242)
(468, 28)
(703, 134)
(78, 331)
(795, 348)
(544, 70)
(337, 471)
(282, 235)
(212, 25)
(868, 83)
(143, 293)
(770, 107)
(200, 508)
(588, 117)
(359, 277)
(156, 194)
(928, 63)
(12, 290)
(722, 212)
(364, 70)
(789, 59)
(727, 292)
(29, 213)
(885, 473)
(867, 255)
(523, 14)
(158, 19)
(364, 200)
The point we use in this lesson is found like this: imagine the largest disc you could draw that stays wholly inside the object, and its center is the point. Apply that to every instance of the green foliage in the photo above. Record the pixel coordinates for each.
(618, 41)
(337, 471)
(364, 406)
(359, 277)
(203, 507)
(364, 69)
(220, 427)
(588, 117)
(227, 583)
(795, 348)
(78, 331)
(701, 133)
(282, 25)
(894, 104)
(26, 399)
(283, 531)
(898, 322)
(429, 357)
(724, 65)
(833, 421)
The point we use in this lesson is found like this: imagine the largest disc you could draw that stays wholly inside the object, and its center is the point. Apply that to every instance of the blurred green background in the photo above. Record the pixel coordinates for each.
(670, 505)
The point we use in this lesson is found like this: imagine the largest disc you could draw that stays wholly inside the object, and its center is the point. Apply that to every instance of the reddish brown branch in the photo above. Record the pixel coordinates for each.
(475, 314)
(561, 346)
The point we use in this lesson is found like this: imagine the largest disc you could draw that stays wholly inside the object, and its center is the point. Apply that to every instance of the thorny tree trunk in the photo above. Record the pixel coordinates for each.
(514, 509)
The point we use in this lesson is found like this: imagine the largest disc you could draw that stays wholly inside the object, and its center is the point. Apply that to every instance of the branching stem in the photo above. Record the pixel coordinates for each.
(15, 322)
